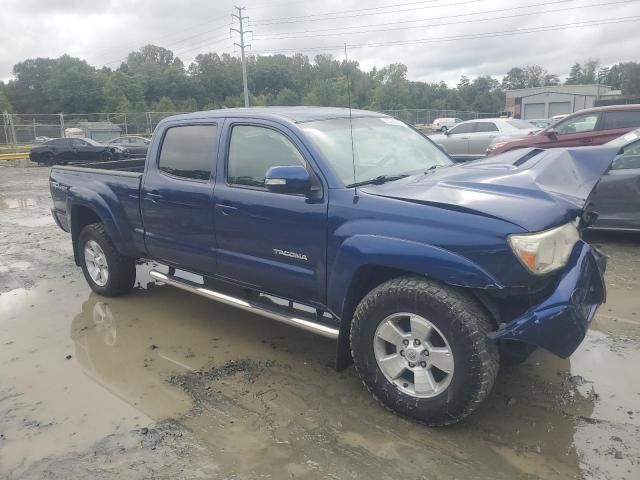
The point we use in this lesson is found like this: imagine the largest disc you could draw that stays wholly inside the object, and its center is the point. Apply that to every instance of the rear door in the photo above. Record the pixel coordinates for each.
(177, 192)
(273, 242)
(614, 124)
(483, 134)
(617, 196)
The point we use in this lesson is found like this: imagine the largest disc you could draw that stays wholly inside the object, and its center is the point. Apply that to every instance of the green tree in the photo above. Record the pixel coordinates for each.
(575, 75)
(165, 104)
(5, 104)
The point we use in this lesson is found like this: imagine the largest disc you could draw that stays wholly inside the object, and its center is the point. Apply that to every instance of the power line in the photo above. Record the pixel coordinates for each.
(365, 10)
(542, 12)
(543, 28)
(404, 22)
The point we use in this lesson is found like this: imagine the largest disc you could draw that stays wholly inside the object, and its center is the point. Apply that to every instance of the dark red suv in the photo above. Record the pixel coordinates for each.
(592, 126)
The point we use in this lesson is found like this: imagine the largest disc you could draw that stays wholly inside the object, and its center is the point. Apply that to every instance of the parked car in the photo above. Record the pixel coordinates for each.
(469, 140)
(352, 225)
(137, 146)
(444, 124)
(75, 150)
(616, 199)
(539, 122)
(593, 126)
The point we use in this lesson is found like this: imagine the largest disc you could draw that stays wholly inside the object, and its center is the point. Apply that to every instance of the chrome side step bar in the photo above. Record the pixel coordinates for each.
(307, 325)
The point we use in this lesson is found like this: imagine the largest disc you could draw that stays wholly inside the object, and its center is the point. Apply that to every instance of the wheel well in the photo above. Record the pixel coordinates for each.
(365, 279)
(80, 218)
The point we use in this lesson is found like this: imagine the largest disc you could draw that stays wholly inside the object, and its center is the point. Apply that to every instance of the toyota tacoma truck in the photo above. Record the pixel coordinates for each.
(354, 226)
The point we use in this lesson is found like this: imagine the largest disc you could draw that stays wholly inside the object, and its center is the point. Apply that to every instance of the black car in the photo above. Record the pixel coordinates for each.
(75, 150)
(137, 146)
(616, 199)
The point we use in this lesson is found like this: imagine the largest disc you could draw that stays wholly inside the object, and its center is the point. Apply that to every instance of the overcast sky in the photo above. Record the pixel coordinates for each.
(103, 32)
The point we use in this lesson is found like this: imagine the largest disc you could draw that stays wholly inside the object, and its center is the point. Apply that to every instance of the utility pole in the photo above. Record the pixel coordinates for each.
(241, 31)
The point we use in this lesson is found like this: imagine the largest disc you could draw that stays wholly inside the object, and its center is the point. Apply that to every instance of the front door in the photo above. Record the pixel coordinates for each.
(177, 208)
(269, 241)
(457, 140)
(617, 196)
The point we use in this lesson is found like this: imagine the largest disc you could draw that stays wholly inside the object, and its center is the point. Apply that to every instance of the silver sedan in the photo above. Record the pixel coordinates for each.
(469, 140)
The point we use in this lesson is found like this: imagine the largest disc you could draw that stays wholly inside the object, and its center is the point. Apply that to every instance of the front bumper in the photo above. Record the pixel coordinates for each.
(560, 322)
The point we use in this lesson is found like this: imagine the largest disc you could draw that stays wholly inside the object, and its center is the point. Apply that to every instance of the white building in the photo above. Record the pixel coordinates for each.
(545, 102)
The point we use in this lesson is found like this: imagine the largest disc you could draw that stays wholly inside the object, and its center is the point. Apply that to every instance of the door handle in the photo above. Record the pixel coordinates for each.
(464, 138)
(226, 208)
(586, 140)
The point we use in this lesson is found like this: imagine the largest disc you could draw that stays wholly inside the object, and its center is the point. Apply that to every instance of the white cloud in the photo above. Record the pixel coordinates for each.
(104, 32)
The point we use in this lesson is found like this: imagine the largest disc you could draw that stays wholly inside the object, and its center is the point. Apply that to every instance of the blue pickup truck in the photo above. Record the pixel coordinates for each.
(355, 226)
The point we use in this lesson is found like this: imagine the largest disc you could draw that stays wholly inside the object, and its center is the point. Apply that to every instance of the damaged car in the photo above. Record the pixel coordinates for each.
(354, 226)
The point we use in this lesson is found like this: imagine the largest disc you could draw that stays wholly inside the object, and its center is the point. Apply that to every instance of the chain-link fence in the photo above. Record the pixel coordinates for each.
(26, 129)
(426, 116)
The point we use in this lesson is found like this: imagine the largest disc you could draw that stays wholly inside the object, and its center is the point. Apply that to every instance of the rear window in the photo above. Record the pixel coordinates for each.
(189, 151)
(613, 120)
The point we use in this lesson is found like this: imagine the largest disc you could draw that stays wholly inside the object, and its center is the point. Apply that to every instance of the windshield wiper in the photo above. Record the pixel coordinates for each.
(433, 168)
(379, 180)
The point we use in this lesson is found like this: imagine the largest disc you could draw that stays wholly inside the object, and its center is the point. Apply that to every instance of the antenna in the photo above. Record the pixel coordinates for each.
(353, 152)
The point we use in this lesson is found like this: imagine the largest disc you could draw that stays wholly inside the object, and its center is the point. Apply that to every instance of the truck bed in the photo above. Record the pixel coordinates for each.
(111, 189)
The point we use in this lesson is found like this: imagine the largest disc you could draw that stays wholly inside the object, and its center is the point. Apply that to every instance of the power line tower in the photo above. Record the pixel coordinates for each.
(242, 32)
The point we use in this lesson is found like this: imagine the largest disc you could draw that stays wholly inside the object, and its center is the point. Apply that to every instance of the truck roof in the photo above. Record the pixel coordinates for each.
(291, 114)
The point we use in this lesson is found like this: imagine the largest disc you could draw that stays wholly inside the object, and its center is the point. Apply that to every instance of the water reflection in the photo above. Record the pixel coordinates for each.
(132, 346)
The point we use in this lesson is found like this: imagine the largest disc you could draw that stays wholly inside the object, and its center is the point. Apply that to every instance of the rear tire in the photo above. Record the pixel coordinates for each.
(440, 319)
(443, 128)
(107, 271)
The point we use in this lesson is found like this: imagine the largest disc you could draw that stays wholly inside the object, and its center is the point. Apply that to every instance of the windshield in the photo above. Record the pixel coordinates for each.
(382, 146)
(624, 139)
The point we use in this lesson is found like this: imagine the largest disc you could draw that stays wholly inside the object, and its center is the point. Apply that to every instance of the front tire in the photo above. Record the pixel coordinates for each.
(107, 271)
(422, 349)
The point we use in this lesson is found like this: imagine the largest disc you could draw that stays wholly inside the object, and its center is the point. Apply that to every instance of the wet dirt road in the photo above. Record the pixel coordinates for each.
(164, 384)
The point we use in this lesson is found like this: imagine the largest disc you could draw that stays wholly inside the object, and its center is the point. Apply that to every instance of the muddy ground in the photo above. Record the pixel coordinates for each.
(165, 384)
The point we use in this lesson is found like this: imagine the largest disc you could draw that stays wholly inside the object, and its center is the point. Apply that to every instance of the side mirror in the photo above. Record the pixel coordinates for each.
(551, 133)
(446, 132)
(293, 179)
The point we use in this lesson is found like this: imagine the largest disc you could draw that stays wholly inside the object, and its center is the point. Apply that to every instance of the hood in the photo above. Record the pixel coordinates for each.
(532, 188)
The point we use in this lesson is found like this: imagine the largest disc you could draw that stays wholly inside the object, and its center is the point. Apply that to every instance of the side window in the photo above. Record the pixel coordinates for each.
(613, 120)
(189, 151)
(462, 128)
(486, 127)
(579, 124)
(254, 150)
(78, 143)
(629, 159)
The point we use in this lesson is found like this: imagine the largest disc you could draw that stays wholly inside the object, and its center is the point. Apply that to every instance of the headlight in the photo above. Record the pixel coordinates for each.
(546, 251)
